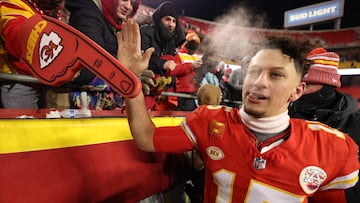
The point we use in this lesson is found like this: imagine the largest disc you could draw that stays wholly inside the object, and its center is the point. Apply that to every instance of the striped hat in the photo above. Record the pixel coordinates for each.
(192, 36)
(324, 68)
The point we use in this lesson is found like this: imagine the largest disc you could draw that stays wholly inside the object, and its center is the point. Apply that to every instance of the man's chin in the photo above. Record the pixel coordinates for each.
(121, 16)
(258, 113)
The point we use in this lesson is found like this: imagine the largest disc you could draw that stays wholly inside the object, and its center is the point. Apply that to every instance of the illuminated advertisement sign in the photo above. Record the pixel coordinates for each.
(314, 13)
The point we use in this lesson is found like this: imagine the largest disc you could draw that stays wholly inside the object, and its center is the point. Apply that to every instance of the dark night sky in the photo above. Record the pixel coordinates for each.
(271, 10)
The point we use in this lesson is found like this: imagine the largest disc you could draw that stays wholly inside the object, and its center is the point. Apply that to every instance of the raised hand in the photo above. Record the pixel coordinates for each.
(170, 65)
(129, 48)
(197, 63)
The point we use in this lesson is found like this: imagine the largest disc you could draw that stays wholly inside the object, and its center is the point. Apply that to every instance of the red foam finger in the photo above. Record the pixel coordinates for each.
(55, 52)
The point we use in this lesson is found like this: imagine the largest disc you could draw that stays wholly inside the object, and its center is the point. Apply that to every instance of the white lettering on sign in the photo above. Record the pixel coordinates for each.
(298, 16)
(313, 14)
(323, 11)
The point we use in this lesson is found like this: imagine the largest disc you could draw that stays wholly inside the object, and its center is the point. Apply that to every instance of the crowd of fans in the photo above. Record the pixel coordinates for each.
(178, 70)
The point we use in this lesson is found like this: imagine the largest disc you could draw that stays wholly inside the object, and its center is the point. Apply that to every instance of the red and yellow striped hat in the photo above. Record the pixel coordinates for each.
(192, 36)
(324, 68)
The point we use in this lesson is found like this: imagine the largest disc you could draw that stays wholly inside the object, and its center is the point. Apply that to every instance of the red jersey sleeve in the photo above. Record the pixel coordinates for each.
(328, 196)
(182, 138)
(171, 139)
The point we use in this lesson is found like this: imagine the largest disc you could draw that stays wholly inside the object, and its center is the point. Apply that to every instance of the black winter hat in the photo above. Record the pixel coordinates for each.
(168, 9)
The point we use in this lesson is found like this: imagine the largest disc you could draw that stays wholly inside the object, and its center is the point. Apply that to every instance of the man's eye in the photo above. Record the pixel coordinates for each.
(276, 75)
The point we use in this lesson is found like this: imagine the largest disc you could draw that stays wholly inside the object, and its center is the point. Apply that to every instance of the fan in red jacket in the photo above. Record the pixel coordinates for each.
(187, 60)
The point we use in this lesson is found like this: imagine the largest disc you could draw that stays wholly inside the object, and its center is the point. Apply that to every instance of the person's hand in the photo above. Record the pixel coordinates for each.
(197, 63)
(129, 48)
(220, 66)
(147, 81)
(170, 65)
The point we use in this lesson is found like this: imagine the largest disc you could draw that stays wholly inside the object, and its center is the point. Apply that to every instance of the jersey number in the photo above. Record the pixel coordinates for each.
(257, 191)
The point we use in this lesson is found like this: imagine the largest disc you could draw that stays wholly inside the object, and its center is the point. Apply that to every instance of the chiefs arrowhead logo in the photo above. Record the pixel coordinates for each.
(54, 52)
(49, 48)
(311, 178)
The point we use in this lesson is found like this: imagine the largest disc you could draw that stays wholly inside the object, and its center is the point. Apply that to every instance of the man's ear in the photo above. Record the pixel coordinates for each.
(299, 90)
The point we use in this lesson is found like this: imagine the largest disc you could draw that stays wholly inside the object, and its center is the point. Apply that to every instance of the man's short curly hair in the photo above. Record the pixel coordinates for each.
(296, 48)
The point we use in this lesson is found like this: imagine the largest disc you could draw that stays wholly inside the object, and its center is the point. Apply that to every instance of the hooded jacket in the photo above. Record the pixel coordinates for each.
(160, 38)
(94, 21)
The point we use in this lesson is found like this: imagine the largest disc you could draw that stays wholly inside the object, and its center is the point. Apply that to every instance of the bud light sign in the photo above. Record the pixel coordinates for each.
(314, 13)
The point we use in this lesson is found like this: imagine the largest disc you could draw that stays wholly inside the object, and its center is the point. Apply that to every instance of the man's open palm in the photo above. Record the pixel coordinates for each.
(129, 48)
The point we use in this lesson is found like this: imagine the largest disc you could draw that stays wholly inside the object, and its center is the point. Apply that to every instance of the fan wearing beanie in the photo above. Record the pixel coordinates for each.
(165, 35)
(322, 102)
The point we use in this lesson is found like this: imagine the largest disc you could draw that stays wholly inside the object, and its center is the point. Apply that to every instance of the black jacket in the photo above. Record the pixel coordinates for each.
(335, 114)
(165, 43)
(353, 129)
(88, 19)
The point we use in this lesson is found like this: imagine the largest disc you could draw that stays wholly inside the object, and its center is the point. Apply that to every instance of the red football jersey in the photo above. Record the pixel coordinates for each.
(313, 157)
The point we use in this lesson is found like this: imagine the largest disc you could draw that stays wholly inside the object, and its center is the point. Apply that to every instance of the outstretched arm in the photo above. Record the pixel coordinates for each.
(130, 55)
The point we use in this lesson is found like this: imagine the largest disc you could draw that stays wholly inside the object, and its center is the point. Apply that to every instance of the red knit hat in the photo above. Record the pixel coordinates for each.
(324, 68)
(191, 36)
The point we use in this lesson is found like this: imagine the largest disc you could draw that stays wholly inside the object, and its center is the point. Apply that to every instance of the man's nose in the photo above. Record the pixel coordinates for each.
(128, 5)
(261, 80)
(172, 25)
